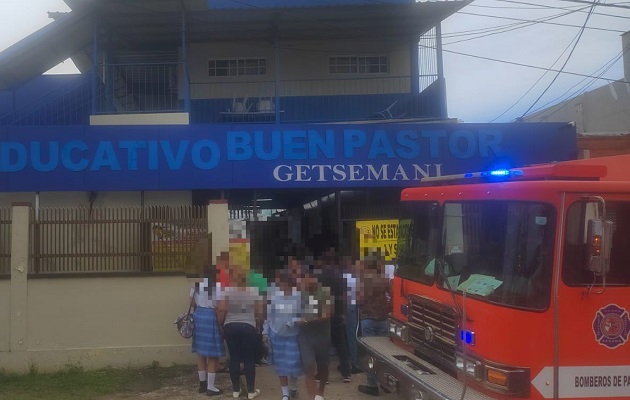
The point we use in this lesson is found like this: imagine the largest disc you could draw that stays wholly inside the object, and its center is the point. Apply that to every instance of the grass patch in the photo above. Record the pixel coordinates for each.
(74, 383)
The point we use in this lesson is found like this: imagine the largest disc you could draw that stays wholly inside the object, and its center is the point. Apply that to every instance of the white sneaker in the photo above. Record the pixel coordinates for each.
(236, 395)
(318, 397)
(254, 394)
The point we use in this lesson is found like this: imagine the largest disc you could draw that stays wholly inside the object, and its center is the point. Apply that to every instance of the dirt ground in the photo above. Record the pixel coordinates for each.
(185, 387)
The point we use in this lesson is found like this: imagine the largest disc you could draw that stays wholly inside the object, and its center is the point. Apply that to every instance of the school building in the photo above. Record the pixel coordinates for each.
(298, 117)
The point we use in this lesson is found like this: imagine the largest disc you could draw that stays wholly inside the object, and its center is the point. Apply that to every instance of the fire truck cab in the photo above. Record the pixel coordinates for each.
(511, 284)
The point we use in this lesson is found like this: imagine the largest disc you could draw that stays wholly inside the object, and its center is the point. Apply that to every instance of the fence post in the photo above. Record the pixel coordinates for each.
(20, 243)
(219, 227)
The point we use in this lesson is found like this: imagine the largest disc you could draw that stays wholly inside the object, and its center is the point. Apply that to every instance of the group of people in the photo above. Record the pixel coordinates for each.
(306, 308)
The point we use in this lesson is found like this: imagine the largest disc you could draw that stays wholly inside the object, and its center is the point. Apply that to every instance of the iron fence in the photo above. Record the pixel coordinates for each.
(153, 239)
(5, 242)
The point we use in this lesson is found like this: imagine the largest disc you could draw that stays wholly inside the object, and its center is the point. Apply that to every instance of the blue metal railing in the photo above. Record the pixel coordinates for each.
(68, 104)
(151, 88)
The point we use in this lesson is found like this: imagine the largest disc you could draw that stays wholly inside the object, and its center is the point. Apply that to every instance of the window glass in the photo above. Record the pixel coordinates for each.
(418, 240)
(576, 253)
(499, 251)
(237, 67)
(357, 64)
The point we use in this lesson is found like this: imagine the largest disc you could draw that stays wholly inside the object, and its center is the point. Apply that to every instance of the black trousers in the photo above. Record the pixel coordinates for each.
(241, 341)
(339, 341)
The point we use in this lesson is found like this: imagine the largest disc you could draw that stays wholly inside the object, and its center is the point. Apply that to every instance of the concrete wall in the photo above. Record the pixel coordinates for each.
(5, 314)
(95, 322)
(303, 69)
(98, 322)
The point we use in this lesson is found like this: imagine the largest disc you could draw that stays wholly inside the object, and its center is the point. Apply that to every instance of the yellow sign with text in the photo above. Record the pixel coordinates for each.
(378, 235)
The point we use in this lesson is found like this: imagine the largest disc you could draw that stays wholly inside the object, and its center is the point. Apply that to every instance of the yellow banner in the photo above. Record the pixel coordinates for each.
(378, 235)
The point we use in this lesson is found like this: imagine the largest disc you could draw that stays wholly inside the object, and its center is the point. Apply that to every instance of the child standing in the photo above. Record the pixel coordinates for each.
(283, 311)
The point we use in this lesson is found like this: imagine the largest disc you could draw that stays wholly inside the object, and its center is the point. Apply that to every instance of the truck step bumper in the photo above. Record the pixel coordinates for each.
(410, 377)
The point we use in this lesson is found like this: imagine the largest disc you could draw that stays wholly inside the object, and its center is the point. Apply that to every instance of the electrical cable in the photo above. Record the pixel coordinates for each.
(604, 69)
(542, 22)
(572, 96)
(524, 65)
(595, 2)
(617, 5)
(537, 81)
(563, 8)
(521, 25)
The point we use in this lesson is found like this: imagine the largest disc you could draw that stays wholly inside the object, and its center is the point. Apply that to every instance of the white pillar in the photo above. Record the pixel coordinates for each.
(219, 227)
(19, 273)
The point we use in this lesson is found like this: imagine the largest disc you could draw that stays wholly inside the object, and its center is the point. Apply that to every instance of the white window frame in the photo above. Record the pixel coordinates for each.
(358, 65)
(237, 66)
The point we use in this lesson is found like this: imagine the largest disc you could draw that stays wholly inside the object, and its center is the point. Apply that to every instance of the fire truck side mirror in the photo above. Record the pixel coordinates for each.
(599, 243)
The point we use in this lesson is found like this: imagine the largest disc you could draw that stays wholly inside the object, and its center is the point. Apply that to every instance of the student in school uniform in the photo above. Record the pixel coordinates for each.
(207, 340)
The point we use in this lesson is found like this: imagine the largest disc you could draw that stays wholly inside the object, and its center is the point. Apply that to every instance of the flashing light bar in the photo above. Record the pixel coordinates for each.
(493, 174)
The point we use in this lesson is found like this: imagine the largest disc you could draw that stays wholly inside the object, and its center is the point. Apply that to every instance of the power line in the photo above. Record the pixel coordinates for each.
(524, 65)
(542, 22)
(520, 25)
(617, 5)
(605, 68)
(564, 8)
(577, 40)
(536, 83)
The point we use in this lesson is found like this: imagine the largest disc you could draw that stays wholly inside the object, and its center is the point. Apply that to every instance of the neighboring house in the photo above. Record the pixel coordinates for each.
(601, 116)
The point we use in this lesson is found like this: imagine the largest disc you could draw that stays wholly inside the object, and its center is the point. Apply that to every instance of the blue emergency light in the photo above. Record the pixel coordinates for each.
(494, 174)
(468, 337)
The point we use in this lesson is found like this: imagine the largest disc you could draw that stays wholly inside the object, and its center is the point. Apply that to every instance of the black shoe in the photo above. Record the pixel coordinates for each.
(356, 370)
(371, 390)
(203, 386)
(213, 393)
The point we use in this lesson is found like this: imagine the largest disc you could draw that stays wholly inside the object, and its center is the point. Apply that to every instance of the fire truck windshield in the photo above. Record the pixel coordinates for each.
(418, 240)
(499, 251)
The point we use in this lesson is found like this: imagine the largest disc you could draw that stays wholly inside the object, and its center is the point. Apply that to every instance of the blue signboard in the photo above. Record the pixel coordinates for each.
(266, 156)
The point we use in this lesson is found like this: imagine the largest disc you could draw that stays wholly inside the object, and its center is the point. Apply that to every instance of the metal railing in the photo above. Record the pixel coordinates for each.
(138, 88)
(5, 242)
(315, 100)
(116, 240)
(68, 104)
(154, 88)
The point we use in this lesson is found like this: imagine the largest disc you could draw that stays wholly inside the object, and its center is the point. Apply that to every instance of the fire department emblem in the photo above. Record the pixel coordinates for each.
(611, 326)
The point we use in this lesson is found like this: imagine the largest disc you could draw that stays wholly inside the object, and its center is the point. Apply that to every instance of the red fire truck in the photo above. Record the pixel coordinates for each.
(511, 284)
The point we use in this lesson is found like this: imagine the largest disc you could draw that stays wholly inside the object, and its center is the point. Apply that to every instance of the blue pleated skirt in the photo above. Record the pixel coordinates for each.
(207, 340)
(286, 355)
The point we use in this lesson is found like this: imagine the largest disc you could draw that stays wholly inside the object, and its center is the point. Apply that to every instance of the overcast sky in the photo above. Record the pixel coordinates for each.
(478, 90)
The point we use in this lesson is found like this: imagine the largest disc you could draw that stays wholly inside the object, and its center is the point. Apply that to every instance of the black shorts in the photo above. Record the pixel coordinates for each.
(314, 340)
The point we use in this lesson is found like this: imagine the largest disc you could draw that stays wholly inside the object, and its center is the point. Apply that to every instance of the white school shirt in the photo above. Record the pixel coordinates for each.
(206, 297)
